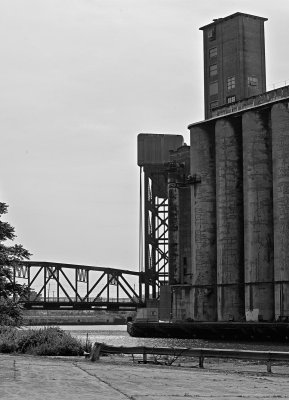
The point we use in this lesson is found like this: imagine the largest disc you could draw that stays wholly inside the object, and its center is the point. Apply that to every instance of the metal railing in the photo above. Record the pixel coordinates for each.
(258, 100)
(279, 84)
(200, 353)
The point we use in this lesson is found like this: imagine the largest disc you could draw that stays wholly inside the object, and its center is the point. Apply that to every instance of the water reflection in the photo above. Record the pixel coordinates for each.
(116, 335)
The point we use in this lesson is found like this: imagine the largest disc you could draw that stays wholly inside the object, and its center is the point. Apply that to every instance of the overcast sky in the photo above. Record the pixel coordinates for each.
(79, 80)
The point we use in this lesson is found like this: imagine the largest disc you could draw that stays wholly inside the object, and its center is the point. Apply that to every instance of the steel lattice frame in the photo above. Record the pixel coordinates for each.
(155, 230)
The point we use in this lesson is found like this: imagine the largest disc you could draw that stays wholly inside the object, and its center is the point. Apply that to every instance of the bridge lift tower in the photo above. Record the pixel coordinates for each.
(153, 158)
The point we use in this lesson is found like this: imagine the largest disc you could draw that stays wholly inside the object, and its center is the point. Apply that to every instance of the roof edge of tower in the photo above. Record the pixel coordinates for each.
(219, 20)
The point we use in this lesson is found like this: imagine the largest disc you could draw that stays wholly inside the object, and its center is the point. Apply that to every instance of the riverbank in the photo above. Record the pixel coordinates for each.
(118, 378)
(39, 317)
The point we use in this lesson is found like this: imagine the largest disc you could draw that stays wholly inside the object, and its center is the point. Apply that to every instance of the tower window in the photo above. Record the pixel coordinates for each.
(213, 88)
(231, 99)
(213, 52)
(212, 33)
(253, 81)
(231, 83)
(213, 70)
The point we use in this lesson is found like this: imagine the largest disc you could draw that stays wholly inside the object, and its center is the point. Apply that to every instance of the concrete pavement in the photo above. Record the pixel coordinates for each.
(112, 378)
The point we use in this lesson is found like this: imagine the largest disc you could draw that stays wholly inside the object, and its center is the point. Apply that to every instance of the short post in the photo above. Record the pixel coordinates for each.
(144, 356)
(269, 366)
(95, 352)
(201, 362)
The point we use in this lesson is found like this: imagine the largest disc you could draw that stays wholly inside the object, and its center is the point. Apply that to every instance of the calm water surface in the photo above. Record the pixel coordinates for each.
(117, 335)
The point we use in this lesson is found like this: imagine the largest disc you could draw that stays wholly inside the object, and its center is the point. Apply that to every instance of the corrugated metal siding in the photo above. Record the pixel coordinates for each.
(155, 148)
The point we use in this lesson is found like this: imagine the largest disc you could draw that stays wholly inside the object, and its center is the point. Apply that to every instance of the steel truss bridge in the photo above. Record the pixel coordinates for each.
(67, 286)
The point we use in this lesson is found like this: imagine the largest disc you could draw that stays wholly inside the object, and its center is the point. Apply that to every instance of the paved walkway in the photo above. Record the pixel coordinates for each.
(41, 378)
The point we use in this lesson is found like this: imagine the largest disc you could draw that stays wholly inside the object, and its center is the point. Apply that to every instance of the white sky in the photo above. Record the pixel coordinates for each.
(79, 79)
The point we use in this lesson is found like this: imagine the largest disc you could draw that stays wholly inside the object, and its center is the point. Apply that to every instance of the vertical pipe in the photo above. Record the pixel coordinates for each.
(140, 220)
(185, 234)
(45, 274)
(153, 241)
(203, 224)
(258, 213)
(57, 288)
(146, 233)
(117, 289)
(184, 215)
(173, 200)
(229, 204)
(29, 281)
(87, 284)
(280, 148)
(107, 290)
(76, 273)
(140, 283)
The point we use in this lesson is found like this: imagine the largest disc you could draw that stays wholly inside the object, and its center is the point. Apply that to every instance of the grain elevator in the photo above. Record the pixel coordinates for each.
(221, 204)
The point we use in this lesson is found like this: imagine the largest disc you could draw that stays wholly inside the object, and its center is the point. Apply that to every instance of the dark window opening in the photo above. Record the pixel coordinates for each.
(213, 70)
(253, 81)
(212, 33)
(231, 99)
(213, 89)
(231, 83)
(213, 52)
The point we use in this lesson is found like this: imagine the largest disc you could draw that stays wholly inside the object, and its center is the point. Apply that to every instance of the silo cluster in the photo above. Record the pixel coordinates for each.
(240, 214)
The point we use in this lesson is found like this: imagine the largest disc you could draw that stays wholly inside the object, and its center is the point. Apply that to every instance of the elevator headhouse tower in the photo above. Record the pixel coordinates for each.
(234, 59)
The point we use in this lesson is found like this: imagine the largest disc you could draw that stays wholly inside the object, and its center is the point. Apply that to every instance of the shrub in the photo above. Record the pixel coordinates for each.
(46, 341)
(8, 339)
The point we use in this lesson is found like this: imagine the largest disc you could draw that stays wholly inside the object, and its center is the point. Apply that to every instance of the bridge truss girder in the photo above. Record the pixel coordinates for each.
(78, 286)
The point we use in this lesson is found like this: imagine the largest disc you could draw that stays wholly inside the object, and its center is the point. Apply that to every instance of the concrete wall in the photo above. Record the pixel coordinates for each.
(280, 144)
(239, 40)
(258, 213)
(230, 230)
(185, 235)
(254, 45)
(179, 194)
(239, 218)
(203, 203)
(165, 304)
(179, 198)
(183, 298)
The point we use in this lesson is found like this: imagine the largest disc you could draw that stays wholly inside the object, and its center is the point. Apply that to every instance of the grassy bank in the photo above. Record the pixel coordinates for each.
(46, 342)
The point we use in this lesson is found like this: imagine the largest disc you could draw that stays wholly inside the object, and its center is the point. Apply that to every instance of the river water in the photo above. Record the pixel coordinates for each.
(116, 335)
